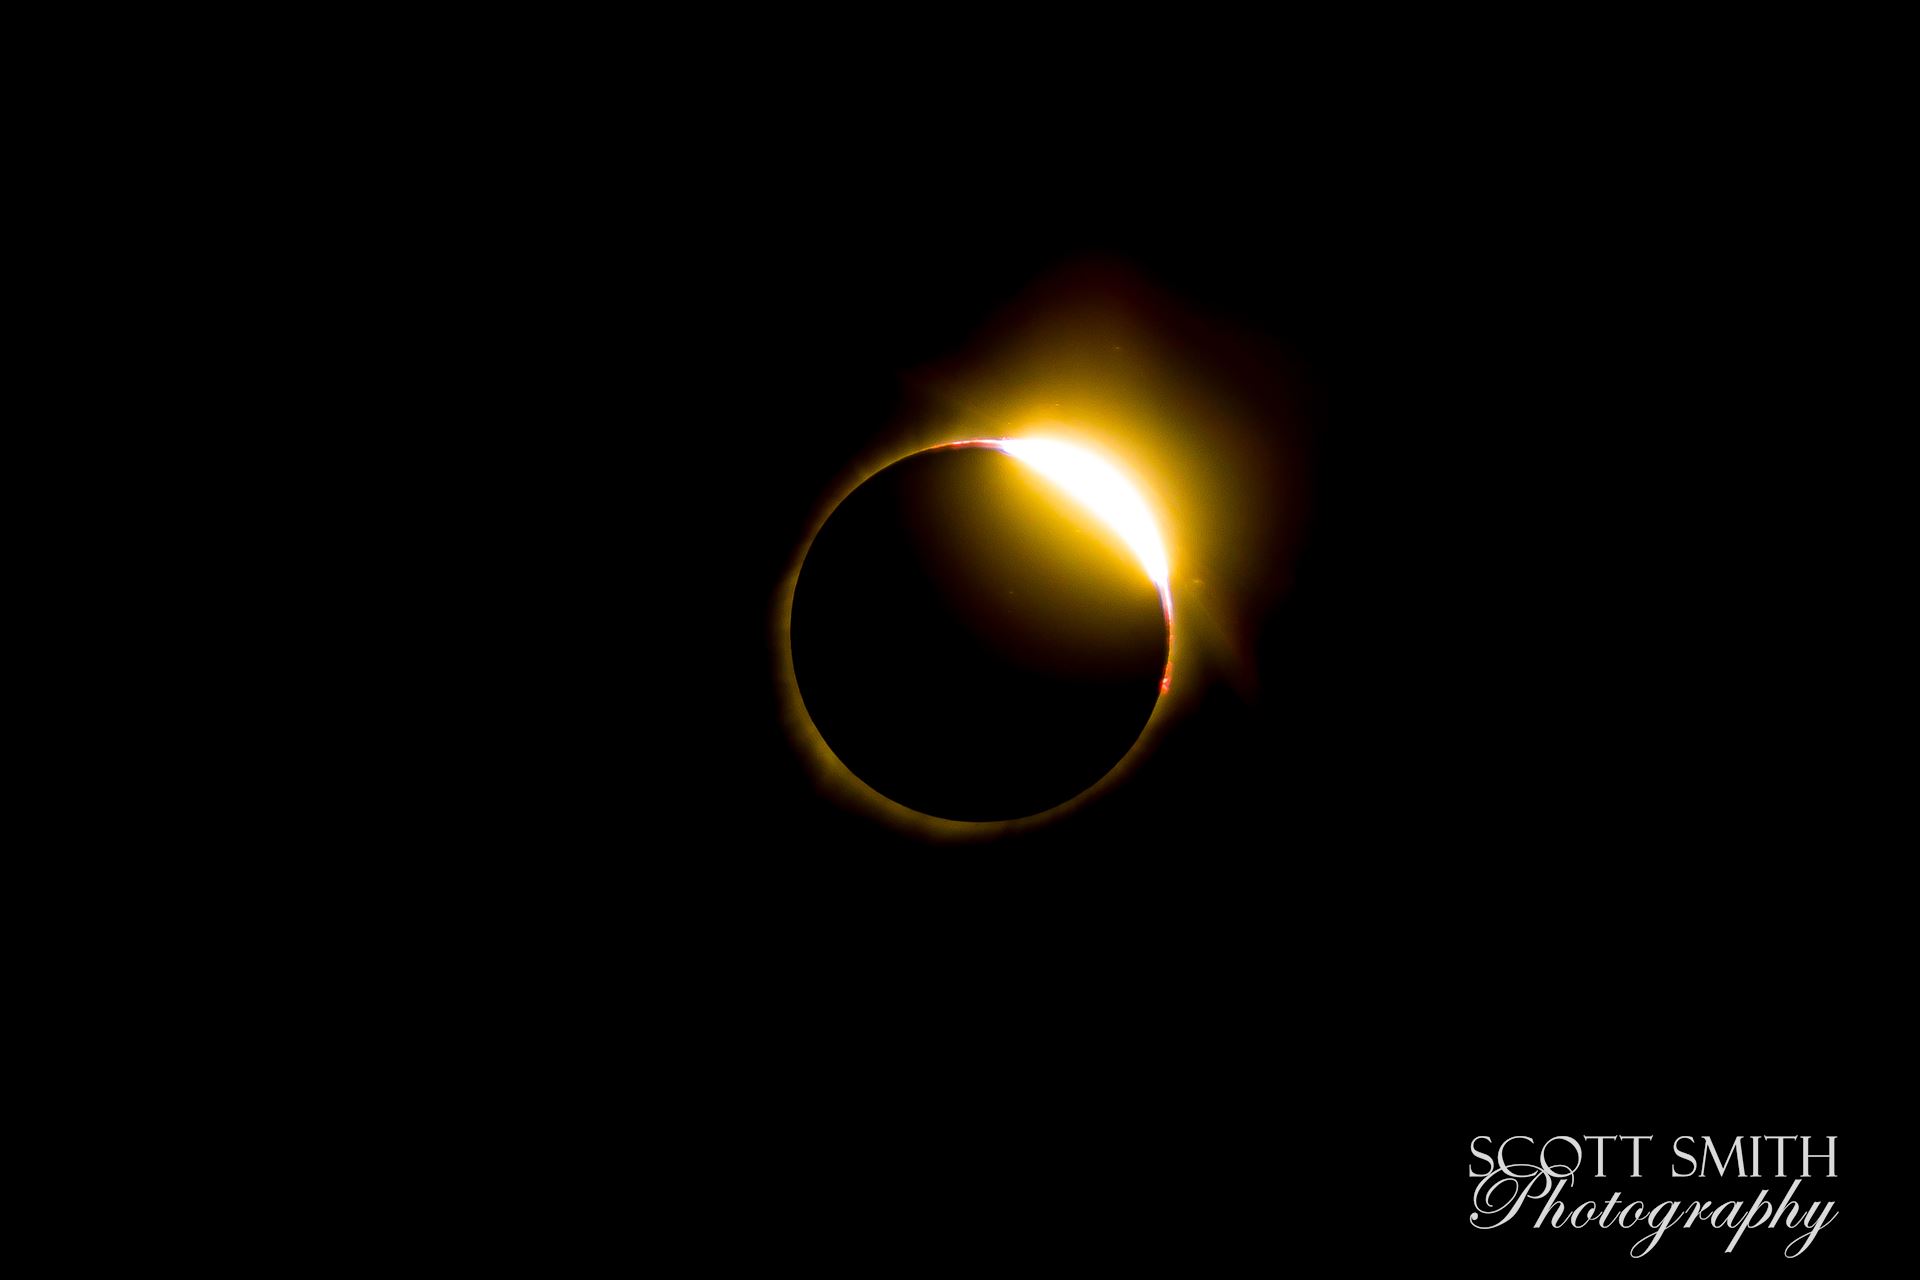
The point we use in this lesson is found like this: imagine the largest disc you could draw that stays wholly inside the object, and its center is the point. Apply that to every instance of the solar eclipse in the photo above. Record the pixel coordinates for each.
(981, 630)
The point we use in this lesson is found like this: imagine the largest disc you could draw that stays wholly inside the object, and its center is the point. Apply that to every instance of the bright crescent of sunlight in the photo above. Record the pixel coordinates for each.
(1099, 486)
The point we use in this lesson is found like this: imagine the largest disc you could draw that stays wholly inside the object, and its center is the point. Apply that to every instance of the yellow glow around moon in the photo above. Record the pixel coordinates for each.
(1100, 487)
(1090, 480)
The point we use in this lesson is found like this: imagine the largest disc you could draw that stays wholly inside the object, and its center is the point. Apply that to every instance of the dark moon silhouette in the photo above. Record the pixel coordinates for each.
(970, 641)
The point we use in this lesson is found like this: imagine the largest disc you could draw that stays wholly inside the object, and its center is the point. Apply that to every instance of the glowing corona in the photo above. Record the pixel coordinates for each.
(1093, 483)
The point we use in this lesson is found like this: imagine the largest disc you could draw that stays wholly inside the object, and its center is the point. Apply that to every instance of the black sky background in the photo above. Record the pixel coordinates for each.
(1545, 818)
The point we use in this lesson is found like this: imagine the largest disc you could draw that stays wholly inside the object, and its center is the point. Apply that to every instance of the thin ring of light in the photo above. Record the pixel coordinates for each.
(1091, 481)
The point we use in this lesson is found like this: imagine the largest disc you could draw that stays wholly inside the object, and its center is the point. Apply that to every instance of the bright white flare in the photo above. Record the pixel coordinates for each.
(1098, 485)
